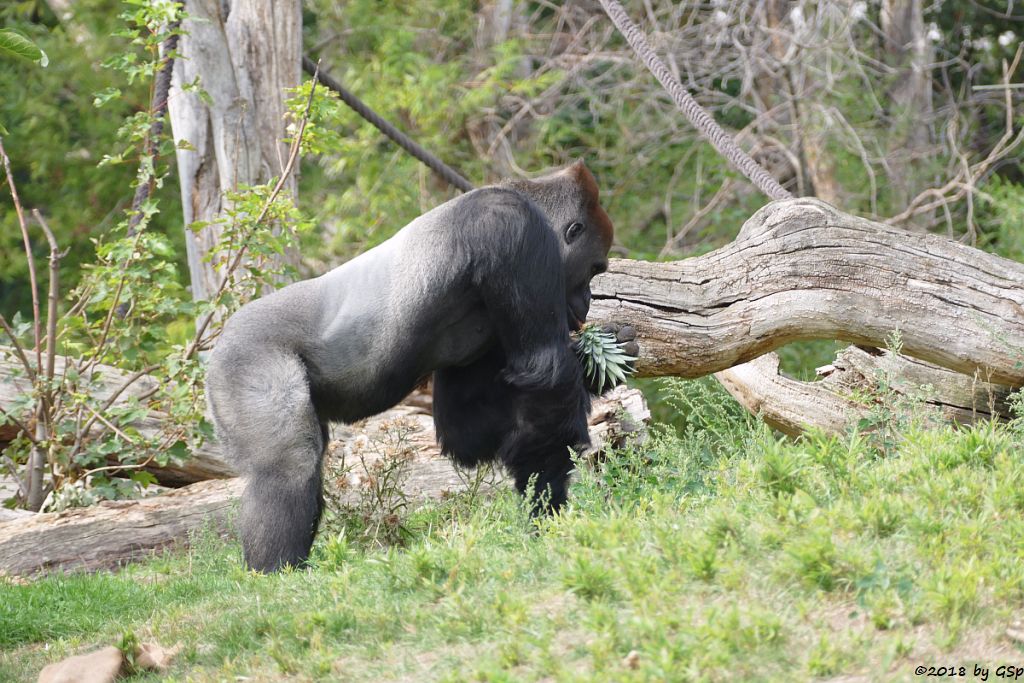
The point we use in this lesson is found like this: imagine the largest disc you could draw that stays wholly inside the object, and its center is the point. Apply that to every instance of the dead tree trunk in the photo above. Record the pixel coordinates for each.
(244, 54)
(801, 269)
(911, 56)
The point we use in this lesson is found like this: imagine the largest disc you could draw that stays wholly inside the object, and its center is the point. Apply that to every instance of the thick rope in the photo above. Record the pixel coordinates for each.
(700, 119)
(446, 172)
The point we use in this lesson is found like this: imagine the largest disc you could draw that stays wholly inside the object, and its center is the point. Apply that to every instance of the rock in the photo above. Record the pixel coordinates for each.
(101, 666)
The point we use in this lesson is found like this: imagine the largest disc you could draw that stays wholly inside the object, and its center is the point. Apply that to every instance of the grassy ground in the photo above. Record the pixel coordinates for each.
(718, 552)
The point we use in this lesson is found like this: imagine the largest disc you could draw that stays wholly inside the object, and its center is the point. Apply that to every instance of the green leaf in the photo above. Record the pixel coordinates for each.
(105, 96)
(16, 45)
(142, 477)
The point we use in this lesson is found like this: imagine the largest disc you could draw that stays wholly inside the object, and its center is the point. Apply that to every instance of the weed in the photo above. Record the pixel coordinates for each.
(374, 468)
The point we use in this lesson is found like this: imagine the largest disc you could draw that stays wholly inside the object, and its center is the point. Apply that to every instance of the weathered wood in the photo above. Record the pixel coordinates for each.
(800, 269)
(958, 397)
(113, 533)
(788, 405)
(792, 406)
(13, 515)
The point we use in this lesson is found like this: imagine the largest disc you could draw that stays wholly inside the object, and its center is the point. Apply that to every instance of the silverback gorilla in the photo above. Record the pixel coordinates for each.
(482, 291)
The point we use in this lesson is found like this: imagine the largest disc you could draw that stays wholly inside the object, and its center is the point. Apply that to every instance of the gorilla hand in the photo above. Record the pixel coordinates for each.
(625, 334)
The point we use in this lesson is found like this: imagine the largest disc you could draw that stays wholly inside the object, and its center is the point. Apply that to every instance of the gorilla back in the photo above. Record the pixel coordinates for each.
(483, 291)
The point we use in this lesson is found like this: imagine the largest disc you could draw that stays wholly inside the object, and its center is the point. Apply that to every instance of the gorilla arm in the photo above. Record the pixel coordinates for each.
(523, 402)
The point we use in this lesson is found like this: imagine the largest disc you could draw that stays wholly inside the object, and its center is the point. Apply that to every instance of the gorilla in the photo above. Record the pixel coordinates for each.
(482, 291)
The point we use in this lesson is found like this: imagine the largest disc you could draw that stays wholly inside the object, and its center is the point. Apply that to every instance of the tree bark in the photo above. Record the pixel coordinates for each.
(110, 534)
(792, 407)
(244, 53)
(801, 269)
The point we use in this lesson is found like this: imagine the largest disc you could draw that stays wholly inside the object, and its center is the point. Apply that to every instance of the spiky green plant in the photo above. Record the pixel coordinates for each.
(604, 360)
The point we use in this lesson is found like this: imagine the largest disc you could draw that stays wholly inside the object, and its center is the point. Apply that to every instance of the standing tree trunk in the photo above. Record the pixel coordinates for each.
(244, 54)
(497, 21)
(906, 43)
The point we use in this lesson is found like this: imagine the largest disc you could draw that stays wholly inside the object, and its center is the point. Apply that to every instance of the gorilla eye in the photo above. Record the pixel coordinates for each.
(573, 231)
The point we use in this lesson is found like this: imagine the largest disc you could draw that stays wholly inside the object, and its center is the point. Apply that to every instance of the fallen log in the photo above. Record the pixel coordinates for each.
(800, 269)
(112, 533)
(832, 404)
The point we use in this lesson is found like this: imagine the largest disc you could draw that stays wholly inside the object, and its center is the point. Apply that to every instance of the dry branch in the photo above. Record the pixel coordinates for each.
(112, 533)
(800, 269)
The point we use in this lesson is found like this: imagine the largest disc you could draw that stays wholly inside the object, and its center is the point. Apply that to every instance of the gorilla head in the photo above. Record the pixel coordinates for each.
(570, 201)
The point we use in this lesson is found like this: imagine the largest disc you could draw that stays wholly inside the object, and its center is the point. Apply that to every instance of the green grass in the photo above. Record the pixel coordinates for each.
(720, 552)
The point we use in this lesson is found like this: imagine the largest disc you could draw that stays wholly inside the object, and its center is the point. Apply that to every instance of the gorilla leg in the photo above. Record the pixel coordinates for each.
(266, 420)
(550, 484)
(279, 518)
